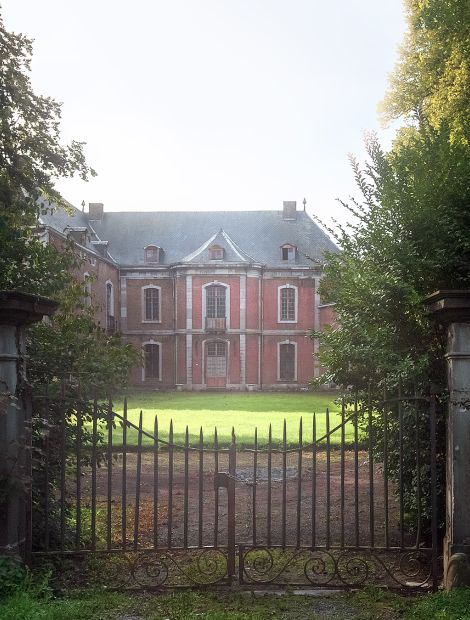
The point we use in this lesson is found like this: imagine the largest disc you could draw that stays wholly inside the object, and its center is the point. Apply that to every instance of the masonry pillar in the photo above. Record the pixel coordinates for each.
(452, 308)
(17, 310)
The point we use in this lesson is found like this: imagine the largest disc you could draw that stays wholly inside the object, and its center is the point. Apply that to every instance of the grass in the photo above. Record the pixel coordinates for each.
(244, 411)
(368, 604)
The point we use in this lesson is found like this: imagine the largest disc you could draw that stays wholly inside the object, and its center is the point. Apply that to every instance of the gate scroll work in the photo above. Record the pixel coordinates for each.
(134, 508)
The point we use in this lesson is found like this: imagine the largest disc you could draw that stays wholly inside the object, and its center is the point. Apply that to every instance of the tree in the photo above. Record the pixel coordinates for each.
(433, 76)
(32, 158)
(409, 234)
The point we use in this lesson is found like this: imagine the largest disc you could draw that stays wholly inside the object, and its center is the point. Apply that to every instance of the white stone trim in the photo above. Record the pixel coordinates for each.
(296, 303)
(242, 359)
(152, 341)
(288, 341)
(123, 281)
(143, 304)
(243, 301)
(189, 302)
(189, 359)
(227, 301)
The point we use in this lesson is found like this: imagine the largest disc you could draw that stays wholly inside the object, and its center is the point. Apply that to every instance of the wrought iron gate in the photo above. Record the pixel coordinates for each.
(123, 505)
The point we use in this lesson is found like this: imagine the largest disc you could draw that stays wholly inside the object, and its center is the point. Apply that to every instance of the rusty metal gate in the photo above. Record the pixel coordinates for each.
(344, 504)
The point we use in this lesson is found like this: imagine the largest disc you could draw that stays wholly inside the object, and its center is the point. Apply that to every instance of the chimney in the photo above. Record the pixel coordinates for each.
(95, 210)
(289, 210)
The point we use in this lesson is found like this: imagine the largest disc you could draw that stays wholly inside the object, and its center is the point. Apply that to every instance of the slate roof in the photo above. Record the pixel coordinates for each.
(185, 237)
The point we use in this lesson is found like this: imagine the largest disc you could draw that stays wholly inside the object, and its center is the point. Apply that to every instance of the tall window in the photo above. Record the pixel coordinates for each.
(152, 361)
(86, 289)
(109, 299)
(152, 304)
(215, 302)
(287, 362)
(288, 303)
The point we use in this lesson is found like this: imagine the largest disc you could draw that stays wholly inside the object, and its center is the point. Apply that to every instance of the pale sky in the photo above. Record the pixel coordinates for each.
(214, 104)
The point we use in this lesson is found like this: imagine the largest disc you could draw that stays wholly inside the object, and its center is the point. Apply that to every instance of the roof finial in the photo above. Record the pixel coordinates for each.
(304, 202)
(83, 206)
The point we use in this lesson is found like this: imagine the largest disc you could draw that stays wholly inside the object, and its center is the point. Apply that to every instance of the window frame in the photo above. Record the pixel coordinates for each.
(144, 375)
(216, 249)
(296, 303)
(291, 253)
(204, 301)
(144, 303)
(152, 246)
(87, 289)
(110, 308)
(279, 344)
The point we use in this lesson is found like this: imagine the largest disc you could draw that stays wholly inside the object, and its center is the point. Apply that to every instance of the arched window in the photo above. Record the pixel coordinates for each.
(151, 304)
(152, 254)
(152, 361)
(287, 361)
(287, 304)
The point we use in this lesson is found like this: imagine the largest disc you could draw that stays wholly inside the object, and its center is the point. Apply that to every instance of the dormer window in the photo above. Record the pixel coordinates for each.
(216, 252)
(288, 252)
(152, 254)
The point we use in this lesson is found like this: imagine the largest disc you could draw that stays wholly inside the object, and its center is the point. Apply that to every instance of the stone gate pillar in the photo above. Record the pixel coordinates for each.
(17, 310)
(452, 308)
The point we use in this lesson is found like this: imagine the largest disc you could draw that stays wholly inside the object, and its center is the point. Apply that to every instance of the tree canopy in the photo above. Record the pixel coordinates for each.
(433, 76)
(410, 233)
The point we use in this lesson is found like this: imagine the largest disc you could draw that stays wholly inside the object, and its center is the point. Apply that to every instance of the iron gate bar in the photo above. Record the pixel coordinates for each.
(356, 474)
(284, 482)
(385, 471)
(314, 477)
(62, 470)
(93, 475)
(137, 485)
(418, 480)
(400, 474)
(216, 497)
(201, 485)
(342, 470)
(110, 472)
(299, 483)
(170, 485)
(328, 477)
(371, 473)
(268, 516)
(155, 483)
(124, 480)
(255, 465)
(432, 428)
(46, 479)
(186, 482)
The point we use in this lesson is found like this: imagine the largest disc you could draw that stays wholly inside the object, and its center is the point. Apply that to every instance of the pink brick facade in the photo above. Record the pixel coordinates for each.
(211, 300)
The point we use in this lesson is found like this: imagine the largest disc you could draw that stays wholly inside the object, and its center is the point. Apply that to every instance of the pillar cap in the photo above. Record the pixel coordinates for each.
(450, 306)
(23, 309)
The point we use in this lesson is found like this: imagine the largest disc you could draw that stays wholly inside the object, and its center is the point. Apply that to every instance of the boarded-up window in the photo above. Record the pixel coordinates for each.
(215, 302)
(152, 361)
(287, 362)
(287, 302)
(152, 304)
(152, 254)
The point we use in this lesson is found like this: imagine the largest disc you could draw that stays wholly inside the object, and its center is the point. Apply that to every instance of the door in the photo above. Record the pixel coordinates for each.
(216, 364)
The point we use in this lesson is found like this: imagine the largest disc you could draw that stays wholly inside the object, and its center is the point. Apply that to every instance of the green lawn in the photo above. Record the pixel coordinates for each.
(244, 411)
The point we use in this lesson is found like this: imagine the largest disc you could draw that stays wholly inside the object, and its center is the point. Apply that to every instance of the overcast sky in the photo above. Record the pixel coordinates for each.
(214, 104)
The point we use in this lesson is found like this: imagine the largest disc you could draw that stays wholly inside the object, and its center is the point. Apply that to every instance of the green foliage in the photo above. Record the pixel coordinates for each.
(31, 159)
(13, 575)
(432, 78)
(454, 605)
